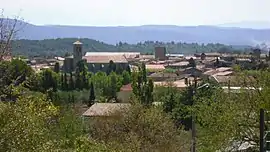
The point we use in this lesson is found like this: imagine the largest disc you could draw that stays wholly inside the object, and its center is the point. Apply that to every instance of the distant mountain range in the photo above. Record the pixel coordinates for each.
(248, 24)
(224, 34)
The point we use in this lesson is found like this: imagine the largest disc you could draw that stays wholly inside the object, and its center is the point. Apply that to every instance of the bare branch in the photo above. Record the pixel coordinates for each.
(8, 30)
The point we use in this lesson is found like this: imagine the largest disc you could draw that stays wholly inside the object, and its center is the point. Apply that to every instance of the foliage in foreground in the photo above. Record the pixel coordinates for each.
(33, 123)
(140, 129)
(228, 119)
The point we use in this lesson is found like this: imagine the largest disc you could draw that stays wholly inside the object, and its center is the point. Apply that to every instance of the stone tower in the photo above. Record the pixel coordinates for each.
(77, 53)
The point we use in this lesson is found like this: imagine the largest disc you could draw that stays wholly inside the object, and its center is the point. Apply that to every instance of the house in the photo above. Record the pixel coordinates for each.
(154, 67)
(160, 53)
(124, 94)
(219, 71)
(97, 61)
(160, 76)
(190, 71)
(177, 65)
(126, 54)
(107, 109)
(180, 84)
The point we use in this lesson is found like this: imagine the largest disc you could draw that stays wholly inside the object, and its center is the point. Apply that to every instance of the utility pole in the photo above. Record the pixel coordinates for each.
(193, 132)
(261, 130)
(264, 132)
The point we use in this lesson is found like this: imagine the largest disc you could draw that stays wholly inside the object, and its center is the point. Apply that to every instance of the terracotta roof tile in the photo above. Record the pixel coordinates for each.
(127, 87)
(105, 59)
(106, 109)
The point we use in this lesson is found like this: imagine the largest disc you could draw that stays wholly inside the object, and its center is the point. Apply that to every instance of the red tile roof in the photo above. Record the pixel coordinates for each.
(154, 67)
(7, 58)
(105, 59)
(127, 87)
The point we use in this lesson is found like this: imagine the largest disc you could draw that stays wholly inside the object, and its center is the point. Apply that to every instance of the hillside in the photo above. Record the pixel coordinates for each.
(164, 33)
(59, 47)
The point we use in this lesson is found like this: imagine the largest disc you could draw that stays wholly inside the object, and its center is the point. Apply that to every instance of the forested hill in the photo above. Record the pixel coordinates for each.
(59, 47)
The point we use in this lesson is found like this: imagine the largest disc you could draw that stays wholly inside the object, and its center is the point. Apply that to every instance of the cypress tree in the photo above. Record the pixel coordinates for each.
(56, 67)
(71, 82)
(92, 96)
(77, 79)
(113, 86)
(65, 83)
(62, 81)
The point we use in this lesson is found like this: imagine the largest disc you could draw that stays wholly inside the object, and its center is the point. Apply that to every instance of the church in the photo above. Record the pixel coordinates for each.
(97, 61)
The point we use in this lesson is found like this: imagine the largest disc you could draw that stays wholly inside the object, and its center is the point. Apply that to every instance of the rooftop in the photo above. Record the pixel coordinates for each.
(223, 79)
(183, 63)
(106, 109)
(105, 59)
(225, 73)
(127, 87)
(161, 74)
(154, 67)
(126, 54)
(77, 43)
(178, 83)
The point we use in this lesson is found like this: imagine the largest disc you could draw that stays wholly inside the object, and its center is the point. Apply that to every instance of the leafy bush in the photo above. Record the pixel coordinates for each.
(141, 129)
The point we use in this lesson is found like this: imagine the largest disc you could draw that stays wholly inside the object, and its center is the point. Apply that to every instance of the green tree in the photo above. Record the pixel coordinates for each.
(113, 86)
(85, 82)
(149, 92)
(92, 96)
(78, 82)
(142, 88)
(62, 81)
(192, 62)
(228, 117)
(56, 67)
(126, 78)
(71, 82)
(128, 69)
(24, 125)
(142, 131)
(65, 85)
(49, 80)
(111, 67)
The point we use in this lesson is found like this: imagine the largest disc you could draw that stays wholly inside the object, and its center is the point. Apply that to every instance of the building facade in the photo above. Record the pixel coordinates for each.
(97, 61)
(160, 53)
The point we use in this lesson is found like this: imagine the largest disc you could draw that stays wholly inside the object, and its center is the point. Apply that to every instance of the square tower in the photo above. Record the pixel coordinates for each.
(160, 53)
(77, 53)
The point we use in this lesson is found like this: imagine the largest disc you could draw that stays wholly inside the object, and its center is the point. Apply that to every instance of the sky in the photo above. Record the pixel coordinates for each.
(137, 12)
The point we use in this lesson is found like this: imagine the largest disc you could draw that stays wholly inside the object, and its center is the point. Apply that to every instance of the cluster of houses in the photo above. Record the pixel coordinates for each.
(163, 68)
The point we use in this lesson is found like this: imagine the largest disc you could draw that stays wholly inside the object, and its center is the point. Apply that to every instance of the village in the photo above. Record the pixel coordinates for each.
(164, 69)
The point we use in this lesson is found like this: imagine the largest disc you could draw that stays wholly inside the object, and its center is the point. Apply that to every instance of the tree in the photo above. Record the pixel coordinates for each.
(85, 82)
(71, 82)
(169, 103)
(149, 92)
(126, 78)
(92, 96)
(49, 80)
(56, 67)
(24, 125)
(192, 62)
(141, 131)
(8, 30)
(113, 86)
(78, 81)
(65, 82)
(142, 88)
(228, 119)
(128, 69)
(111, 67)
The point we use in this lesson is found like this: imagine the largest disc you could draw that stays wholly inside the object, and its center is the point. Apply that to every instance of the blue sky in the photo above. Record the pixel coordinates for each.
(137, 12)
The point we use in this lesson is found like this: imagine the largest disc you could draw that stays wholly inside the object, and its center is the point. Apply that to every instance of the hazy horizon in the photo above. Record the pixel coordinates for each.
(138, 12)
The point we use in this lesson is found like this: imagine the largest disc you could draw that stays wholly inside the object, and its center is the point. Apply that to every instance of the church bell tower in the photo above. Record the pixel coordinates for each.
(77, 53)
